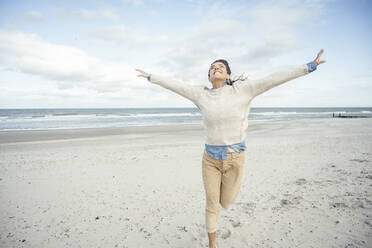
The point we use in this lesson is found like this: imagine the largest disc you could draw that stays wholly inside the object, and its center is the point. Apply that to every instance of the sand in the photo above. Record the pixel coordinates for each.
(307, 183)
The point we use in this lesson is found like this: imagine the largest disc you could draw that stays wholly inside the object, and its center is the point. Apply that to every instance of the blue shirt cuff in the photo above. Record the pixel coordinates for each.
(149, 77)
(311, 66)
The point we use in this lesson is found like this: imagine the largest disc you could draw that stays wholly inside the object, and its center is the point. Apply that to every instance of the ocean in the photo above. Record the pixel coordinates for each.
(40, 119)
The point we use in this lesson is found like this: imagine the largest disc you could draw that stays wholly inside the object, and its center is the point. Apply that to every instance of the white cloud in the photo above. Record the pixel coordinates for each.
(89, 14)
(255, 38)
(133, 2)
(110, 14)
(247, 35)
(65, 66)
(129, 37)
(33, 16)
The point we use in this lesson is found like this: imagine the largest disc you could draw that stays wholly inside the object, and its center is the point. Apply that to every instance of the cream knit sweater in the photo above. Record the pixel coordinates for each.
(225, 110)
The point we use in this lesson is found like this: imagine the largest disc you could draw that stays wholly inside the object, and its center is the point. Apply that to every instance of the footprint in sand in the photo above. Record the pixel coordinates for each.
(368, 223)
(293, 199)
(359, 160)
(147, 233)
(224, 233)
(284, 202)
(364, 172)
(182, 228)
(339, 205)
(301, 181)
(248, 207)
(235, 223)
(332, 165)
(283, 205)
(343, 172)
(288, 201)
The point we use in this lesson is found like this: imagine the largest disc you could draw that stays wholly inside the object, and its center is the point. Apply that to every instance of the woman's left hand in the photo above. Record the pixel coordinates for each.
(317, 60)
(142, 73)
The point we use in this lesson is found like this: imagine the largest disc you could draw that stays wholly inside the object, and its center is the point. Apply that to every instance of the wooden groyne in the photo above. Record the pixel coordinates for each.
(339, 115)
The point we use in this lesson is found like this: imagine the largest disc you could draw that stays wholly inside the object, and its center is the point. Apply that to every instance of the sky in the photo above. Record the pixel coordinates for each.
(83, 54)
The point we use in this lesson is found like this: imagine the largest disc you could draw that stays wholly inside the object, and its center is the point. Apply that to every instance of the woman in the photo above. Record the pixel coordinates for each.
(225, 109)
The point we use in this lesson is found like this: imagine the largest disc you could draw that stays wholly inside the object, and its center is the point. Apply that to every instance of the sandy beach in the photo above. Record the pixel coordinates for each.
(307, 183)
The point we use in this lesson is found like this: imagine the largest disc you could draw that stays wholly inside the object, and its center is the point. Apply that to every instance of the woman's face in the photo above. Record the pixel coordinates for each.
(218, 71)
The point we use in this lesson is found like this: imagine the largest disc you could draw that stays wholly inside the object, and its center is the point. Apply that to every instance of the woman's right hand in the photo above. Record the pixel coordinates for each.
(142, 73)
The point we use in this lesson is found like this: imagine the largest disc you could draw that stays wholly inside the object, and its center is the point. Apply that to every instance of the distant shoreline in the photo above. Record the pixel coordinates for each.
(60, 119)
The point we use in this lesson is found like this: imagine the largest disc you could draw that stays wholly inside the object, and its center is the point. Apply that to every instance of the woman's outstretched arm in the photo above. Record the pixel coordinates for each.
(259, 86)
(191, 92)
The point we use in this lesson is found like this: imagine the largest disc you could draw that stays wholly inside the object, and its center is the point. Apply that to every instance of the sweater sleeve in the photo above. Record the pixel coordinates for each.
(191, 92)
(256, 87)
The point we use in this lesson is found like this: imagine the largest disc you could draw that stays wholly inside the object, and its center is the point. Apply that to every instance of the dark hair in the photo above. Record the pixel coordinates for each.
(230, 82)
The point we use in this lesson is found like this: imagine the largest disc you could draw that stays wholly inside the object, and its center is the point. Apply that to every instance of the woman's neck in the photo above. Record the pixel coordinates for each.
(218, 84)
